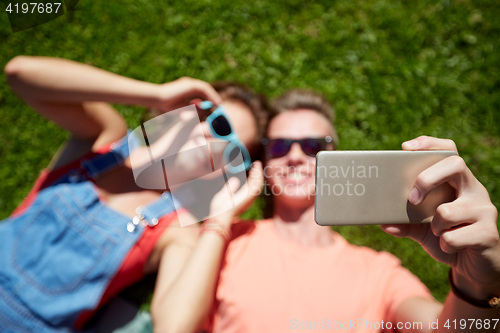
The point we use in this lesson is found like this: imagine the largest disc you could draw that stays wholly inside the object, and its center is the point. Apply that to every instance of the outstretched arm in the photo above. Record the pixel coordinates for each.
(72, 94)
(52, 80)
(75, 96)
(463, 234)
(182, 304)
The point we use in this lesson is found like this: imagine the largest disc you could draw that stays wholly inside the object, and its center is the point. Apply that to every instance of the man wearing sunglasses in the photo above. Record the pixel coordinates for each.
(310, 146)
(287, 273)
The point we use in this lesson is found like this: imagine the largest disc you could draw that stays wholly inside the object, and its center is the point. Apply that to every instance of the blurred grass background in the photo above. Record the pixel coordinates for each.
(392, 69)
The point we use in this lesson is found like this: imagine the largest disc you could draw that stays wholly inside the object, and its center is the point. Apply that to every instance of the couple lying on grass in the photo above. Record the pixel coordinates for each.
(87, 231)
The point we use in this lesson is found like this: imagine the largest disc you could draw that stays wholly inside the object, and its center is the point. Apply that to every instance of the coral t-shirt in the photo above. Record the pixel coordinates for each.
(270, 284)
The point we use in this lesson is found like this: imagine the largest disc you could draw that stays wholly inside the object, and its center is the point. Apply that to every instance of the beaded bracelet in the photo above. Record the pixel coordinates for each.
(215, 226)
(492, 302)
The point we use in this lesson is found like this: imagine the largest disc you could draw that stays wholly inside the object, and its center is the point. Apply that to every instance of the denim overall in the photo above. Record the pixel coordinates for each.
(58, 256)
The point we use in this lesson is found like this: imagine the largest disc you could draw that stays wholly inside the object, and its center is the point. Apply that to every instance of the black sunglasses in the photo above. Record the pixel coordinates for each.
(310, 146)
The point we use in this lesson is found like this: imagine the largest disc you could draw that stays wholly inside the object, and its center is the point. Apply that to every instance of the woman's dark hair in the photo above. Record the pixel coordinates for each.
(257, 103)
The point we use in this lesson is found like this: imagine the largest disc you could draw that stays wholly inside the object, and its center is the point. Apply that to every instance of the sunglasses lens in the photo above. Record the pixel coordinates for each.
(233, 156)
(278, 148)
(313, 146)
(221, 126)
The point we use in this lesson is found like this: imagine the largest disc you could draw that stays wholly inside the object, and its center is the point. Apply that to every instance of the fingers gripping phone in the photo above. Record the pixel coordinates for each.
(372, 187)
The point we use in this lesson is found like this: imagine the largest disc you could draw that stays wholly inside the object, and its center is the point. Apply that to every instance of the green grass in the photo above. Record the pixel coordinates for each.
(392, 69)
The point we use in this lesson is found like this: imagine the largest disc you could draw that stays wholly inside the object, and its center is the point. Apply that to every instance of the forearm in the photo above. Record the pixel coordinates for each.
(52, 80)
(460, 316)
(184, 305)
(455, 315)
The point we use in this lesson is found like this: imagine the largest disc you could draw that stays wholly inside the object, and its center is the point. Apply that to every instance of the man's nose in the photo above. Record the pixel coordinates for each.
(296, 154)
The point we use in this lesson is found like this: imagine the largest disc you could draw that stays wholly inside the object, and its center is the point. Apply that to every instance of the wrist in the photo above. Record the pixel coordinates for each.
(473, 293)
(157, 98)
(148, 95)
(225, 219)
(214, 225)
(467, 287)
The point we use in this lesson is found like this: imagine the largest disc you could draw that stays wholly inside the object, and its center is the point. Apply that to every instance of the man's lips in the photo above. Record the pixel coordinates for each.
(296, 177)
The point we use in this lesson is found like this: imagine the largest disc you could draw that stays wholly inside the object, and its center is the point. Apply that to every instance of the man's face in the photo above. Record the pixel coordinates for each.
(291, 176)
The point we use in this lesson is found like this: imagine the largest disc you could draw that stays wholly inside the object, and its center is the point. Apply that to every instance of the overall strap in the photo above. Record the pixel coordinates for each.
(103, 163)
(149, 215)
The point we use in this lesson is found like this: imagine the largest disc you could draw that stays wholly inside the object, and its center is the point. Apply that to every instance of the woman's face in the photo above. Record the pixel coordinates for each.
(183, 147)
(291, 177)
(242, 123)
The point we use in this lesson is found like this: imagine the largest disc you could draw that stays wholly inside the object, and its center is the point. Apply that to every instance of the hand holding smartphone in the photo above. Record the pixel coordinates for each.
(372, 187)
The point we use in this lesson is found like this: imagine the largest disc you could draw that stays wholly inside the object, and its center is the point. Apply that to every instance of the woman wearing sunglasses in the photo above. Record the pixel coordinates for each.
(286, 273)
(86, 231)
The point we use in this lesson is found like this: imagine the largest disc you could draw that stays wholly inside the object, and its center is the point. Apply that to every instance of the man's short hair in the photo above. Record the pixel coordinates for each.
(297, 99)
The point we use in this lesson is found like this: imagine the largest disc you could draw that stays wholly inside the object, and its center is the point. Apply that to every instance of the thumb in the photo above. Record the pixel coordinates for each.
(233, 183)
(397, 230)
(256, 179)
(422, 233)
(415, 231)
(251, 189)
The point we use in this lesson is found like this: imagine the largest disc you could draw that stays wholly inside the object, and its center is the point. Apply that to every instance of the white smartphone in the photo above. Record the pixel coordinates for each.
(372, 187)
